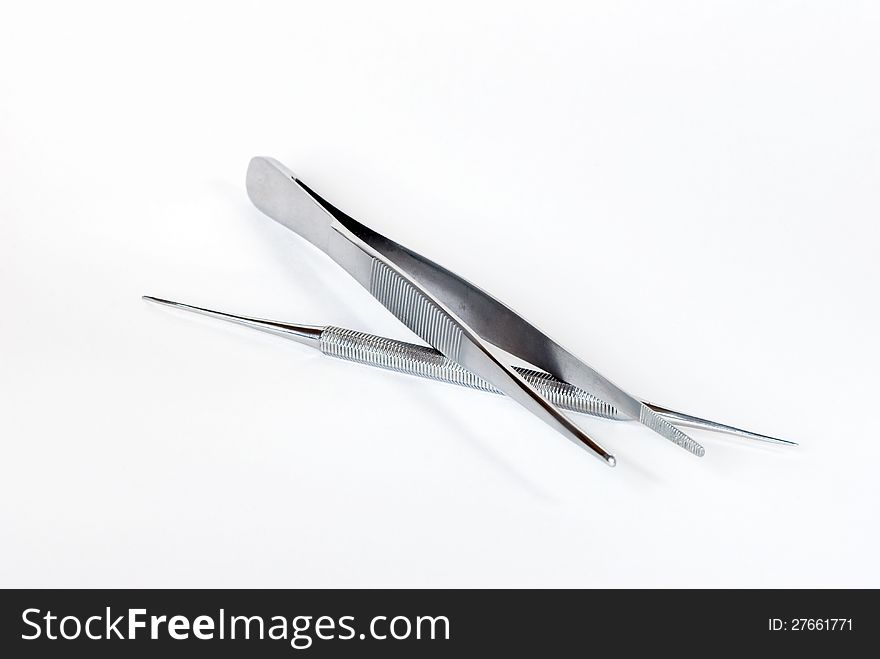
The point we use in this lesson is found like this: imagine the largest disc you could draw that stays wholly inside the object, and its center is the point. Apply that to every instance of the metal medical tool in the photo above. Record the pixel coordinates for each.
(461, 321)
(447, 312)
(426, 362)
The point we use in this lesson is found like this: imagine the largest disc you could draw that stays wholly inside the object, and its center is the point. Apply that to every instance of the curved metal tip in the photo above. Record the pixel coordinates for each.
(610, 460)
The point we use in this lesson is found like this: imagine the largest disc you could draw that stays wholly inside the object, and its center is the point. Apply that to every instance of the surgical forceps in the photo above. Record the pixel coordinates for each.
(460, 321)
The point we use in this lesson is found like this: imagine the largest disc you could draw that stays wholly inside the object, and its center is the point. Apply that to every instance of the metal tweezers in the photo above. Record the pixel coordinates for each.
(462, 324)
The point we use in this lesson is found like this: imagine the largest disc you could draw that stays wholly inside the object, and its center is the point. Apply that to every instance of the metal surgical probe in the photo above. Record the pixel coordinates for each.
(468, 332)
(426, 362)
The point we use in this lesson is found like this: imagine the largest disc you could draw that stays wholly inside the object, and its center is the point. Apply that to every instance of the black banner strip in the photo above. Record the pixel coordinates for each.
(429, 623)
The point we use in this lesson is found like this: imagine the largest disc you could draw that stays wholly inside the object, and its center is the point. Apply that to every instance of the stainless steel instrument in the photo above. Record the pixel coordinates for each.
(425, 362)
(462, 324)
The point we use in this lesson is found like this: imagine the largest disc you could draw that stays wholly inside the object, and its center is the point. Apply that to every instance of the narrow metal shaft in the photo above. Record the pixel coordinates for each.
(426, 362)
(309, 335)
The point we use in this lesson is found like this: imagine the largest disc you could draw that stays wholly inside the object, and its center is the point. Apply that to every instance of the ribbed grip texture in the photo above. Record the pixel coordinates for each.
(657, 423)
(429, 363)
(414, 310)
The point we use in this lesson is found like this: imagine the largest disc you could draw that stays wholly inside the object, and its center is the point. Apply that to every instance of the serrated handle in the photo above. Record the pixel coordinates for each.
(428, 363)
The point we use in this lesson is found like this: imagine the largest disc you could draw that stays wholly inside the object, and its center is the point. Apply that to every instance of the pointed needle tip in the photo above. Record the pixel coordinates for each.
(159, 300)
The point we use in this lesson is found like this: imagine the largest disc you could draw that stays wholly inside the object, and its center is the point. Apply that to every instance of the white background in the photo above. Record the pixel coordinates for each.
(685, 194)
